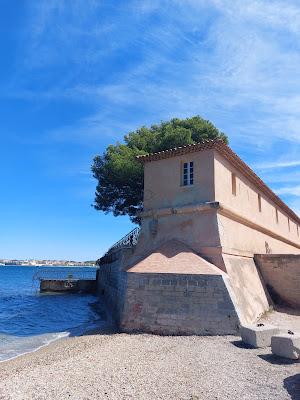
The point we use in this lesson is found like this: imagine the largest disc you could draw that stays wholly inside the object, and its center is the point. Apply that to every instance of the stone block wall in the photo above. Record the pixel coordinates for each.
(281, 274)
(171, 304)
(112, 283)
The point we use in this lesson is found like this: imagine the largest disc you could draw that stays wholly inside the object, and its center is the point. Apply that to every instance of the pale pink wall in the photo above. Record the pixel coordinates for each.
(238, 239)
(204, 231)
(247, 289)
(163, 181)
(245, 203)
(198, 230)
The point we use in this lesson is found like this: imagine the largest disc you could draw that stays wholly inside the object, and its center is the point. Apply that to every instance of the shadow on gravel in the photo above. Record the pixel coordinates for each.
(241, 345)
(272, 359)
(292, 386)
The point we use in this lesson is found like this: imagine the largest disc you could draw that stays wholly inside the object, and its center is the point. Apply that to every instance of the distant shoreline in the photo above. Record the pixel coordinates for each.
(49, 265)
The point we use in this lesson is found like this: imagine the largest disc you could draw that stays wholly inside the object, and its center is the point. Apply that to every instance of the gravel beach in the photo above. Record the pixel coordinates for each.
(122, 366)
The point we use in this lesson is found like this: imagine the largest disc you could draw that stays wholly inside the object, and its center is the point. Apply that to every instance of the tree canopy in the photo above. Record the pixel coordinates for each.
(120, 176)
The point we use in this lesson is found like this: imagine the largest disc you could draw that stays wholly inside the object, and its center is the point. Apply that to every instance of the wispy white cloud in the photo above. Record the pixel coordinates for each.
(93, 130)
(275, 14)
(278, 164)
(281, 176)
(289, 190)
(236, 63)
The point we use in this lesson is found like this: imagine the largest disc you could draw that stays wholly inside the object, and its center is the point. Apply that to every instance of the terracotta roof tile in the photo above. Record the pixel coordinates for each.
(177, 151)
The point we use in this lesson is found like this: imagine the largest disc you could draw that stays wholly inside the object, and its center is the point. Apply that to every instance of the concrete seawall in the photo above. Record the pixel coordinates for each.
(67, 286)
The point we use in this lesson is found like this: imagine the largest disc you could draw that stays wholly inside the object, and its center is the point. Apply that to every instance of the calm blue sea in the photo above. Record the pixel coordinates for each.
(29, 320)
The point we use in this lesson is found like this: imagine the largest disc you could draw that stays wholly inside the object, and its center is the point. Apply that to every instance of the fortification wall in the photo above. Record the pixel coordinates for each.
(194, 225)
(249, 292)
(181, 304)
(281, 273)
(226, 216)
(167, 303)
(112, 282)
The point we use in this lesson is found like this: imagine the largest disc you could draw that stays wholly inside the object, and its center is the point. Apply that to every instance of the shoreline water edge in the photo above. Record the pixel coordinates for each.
(30, 320)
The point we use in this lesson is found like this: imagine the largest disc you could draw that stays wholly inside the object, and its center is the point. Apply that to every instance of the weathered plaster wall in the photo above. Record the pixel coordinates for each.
(162, 187)
(249, 294)
(245, 204)
(281, 274)
(243, 228)
(198, 229)
(240, 238)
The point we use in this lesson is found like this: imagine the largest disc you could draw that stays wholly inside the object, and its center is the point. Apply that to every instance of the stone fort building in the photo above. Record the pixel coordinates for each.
(215, 245)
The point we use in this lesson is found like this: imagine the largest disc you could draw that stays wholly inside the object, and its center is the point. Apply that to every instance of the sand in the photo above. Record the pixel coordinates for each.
(121, 366)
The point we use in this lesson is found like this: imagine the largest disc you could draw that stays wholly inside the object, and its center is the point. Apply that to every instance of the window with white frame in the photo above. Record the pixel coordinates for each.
(188, 173)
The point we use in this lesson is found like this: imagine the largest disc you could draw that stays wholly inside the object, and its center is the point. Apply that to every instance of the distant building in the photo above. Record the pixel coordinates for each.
(203, 208)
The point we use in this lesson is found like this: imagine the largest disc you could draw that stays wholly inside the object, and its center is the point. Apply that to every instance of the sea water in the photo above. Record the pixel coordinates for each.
(30, 320)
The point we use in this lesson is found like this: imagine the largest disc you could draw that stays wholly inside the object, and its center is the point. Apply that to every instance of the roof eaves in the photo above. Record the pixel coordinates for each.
(190, 148)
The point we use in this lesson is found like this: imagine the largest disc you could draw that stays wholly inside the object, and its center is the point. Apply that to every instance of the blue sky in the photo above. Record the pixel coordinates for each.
(76, 76)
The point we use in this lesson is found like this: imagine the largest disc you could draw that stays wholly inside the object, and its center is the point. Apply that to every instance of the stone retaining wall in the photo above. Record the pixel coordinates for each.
(167, 304)
(171, 304)
(112, 282)
(281, 274)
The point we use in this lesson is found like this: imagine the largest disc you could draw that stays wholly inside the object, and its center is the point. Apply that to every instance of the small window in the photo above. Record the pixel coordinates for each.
(259, 202)
(188, 173)
(297, 230)
(233, 184)
(289, 225)
(277, 218)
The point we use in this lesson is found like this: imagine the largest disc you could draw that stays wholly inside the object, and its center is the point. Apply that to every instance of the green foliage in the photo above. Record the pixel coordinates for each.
(120, 175)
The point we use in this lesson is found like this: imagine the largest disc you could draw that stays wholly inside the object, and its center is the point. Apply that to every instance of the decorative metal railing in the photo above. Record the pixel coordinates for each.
(128, 241)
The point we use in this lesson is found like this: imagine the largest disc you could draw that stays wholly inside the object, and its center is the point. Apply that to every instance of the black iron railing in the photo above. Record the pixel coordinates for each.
(128, 241)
